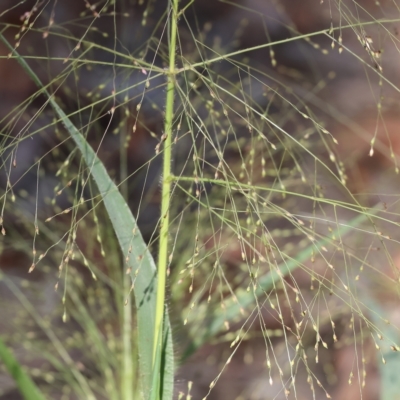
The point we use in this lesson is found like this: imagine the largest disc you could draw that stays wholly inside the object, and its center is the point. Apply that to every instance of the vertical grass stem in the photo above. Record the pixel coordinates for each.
(166, 189)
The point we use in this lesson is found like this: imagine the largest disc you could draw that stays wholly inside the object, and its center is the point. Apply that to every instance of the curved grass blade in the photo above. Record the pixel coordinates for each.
(26, 386)
(129, 237)
(265, 284)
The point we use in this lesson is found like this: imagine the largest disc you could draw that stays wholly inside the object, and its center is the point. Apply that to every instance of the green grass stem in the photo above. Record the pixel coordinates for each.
(166, 188)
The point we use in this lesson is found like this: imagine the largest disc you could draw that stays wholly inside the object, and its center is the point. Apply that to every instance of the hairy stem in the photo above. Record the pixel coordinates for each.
(166, 188)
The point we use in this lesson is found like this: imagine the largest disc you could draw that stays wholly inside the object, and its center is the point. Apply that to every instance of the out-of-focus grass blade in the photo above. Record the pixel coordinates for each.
(24, 383)
(389, 368)
(129, 238)
(203, 333)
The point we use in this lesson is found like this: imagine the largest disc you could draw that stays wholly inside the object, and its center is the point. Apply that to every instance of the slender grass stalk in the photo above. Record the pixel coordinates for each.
(166, 187)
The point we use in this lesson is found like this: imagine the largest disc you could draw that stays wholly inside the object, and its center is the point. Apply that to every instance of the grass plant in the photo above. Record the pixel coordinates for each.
(269, 236)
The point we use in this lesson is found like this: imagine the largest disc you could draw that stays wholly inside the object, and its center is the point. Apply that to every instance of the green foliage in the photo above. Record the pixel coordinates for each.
(27, 388)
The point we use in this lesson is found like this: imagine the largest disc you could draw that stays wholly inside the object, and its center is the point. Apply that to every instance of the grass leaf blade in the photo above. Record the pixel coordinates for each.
(128, 236)
(24, 383)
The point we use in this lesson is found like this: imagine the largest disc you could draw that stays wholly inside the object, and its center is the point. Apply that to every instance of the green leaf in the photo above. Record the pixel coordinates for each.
(24, 383)
(129, 238)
